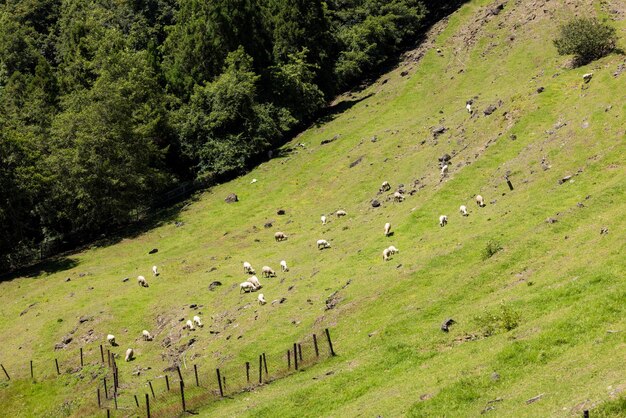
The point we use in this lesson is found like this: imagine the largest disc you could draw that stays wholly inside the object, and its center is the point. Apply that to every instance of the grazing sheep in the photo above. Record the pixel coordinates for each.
(463, 210)
(283, 266)
(280, 236)
(322, 243)
(246, 287)
(387, 229)
(253, 181)
(393, 249)
(247, 268)
(397, 196)
(341, 213)
(196, 320)
(111, 339)
(189, 325)
(146, 335)
(385, 186)
(142, 281)
(386, 254)
(480, 201)
(261, 299)
(267, 271)
(468, 106)
(444, 170)
(443, 220)
(130, 354)
(323, 218)
(155, 271)
(255, 282)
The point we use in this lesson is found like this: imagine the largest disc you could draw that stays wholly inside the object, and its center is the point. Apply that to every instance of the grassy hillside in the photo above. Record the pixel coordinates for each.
(562, 282)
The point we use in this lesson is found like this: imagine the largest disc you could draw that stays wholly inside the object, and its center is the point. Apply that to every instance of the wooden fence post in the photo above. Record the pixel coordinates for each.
(98, 397)
(5, 372)
(81, 357)
(219, 381)
(300, 351)
(32, 374)
(136, 401)
(330, 343)
(102, 353)
(585, 414)
(195, 371)
(248, 371)
(56, 362)
(180, 375)
(147, 405)
(295, 356)
(115, 399)
(106, 392)
(260, 369)
(108, 357)
(182, 394)
(167, 383)
(151, 389)
(108, 413)
(265, 364)
(317, 351)
(288, 359)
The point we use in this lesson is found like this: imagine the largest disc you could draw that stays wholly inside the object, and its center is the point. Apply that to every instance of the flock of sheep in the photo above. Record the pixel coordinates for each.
(252, 284)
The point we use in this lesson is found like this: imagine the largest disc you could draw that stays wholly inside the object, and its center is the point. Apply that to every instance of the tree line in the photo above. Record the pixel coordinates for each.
(105, 104)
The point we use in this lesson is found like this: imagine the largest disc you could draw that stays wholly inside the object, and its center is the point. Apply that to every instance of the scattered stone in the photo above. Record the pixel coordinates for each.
(125, 279)
(564, 179)
(444, 158)
(534, 399)
(445, 327)
(438, 130)
(551, 220)
(332, 301)
(231, 198)
(513, 137)
(280, 212)
(375, 203)
(67, 279)
(213, 285)
(153, 251)
(193, 306)
(495, 11)
(404, 73)
(328, 141)
(490, 109)
(290, 288)
(374, 138)
(587, 77)
(178, 224)
(540, 89)
(268, 224)
(495, 376)
(604, 230)
(83, 319)
(357, 161)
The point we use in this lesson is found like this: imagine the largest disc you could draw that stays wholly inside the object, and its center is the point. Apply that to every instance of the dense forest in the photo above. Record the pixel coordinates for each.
(106, 104)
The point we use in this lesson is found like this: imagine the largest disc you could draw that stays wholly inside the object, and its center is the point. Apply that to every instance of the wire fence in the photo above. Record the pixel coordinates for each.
(178, 390)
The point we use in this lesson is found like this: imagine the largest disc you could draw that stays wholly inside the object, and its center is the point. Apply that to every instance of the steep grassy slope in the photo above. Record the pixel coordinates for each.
(564, 279)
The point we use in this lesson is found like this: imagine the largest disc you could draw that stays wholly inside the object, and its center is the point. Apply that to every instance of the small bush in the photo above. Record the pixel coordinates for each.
(504, 318)
(491, 249)
(585, 38)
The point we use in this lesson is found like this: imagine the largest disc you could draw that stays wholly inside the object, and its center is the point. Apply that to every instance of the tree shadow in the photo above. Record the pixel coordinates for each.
(48, 266)
(331, 112)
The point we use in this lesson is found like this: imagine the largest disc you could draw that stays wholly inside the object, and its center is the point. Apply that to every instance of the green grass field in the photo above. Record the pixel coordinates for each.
(544, 316)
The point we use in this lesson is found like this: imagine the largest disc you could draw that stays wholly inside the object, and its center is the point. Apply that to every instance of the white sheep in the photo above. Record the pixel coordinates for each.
(283, 266)
(463, 210)
(393, 249)
(387, 229)
(246, 287)
(280, 236)
(443, 220)
(111, 339)
(398, 197)
(468, 106)
(253, 181)
(189, 325)
(130, 354)
(142, 281)
(386, 254)
(480, 201)
(196, 320)
(255, 282)
(444, 170)
(247, 268)
(146, 335)
(261, 299)
(322, 243)
(385, 186)
(267, 271)
(341, 213)
(155, 271)
(323, 218)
